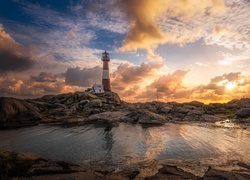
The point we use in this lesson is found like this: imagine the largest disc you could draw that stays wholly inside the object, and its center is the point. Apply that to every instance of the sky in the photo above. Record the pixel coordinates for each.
(164, 50)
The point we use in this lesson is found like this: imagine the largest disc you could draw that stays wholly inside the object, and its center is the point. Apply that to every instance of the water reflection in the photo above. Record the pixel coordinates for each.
(129, 143)
(108, 141)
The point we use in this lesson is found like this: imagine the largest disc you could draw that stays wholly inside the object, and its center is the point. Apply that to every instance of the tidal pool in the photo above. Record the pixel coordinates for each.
(129, 143)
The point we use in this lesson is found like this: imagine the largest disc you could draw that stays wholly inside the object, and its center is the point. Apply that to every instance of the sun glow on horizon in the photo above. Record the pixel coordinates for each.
(230, 85)
(227, 84)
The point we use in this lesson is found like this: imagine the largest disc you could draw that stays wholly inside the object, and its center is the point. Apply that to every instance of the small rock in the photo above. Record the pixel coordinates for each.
(165, 109)
(83, 102)
(196, 112)
(94, 103)
(210, 118)
(182, 110)
(70, 101)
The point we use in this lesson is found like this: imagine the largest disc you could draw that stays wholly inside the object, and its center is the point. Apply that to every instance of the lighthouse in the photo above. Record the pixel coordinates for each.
(105, 73)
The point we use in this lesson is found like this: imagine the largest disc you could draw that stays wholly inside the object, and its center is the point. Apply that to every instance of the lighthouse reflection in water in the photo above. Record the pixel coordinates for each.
(129, 143)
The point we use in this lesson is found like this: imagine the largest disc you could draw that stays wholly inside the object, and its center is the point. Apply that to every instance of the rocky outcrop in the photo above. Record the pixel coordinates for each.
(56, 108)
(29, 166)
(172, 172)
(92, 107)
(17, 113)
(243, 113)
(223, 174)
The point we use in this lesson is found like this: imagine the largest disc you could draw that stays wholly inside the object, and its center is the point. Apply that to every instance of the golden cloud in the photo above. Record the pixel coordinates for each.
(35, 86)
(143, 18)
(172, 87)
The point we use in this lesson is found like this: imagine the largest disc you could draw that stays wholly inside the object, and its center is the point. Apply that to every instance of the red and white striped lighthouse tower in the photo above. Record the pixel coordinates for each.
(105, 74)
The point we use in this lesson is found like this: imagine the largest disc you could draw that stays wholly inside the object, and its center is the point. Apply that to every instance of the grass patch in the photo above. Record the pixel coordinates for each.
(225, 115)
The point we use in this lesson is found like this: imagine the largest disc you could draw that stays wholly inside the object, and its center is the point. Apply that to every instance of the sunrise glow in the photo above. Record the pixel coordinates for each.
(230, 85)
(168, 51)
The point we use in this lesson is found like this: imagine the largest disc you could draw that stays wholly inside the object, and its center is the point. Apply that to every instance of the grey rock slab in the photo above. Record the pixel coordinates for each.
(94, 103)
(109, 116)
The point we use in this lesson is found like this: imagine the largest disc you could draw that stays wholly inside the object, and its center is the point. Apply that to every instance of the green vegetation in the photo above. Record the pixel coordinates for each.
(225, 115)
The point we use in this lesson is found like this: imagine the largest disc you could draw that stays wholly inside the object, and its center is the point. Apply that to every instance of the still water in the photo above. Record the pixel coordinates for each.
(126, 142)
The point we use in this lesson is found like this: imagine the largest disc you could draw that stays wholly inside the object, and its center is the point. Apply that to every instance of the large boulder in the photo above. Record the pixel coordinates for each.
(94, 103)
(182, 110)
(146, 117)
(196, 112)
(82, 103)
(210, 118)
(109, 116)
(243, 113)
(112, 97)
(164, 109)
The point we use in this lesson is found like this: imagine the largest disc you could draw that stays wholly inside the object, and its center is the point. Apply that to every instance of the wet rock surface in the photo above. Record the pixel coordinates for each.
(29, 166)
(172, 172)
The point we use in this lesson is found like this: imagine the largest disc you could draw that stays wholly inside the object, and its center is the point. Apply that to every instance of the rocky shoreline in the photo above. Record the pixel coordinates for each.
(29, 166)
(84, 107)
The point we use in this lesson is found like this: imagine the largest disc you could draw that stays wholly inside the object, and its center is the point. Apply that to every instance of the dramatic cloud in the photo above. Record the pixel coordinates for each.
(172, 87)
(209, 40)
(128, 75)
(128, 80)
(44, 77)
(143, 18)
(10, 86)
(85, 77)
(12, 62)
(12, 56)
(223, 88)
(232, 31)
(165, 87)
(220, 84)
(36, 86)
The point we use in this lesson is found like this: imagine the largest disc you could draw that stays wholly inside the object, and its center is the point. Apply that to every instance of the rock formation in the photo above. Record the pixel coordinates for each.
(28, 166)
(82, 107)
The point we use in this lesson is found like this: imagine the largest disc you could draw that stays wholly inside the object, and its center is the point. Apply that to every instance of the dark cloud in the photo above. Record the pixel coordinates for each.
(44, 77)
(83, 77)
(13, 56)
(12, 62)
